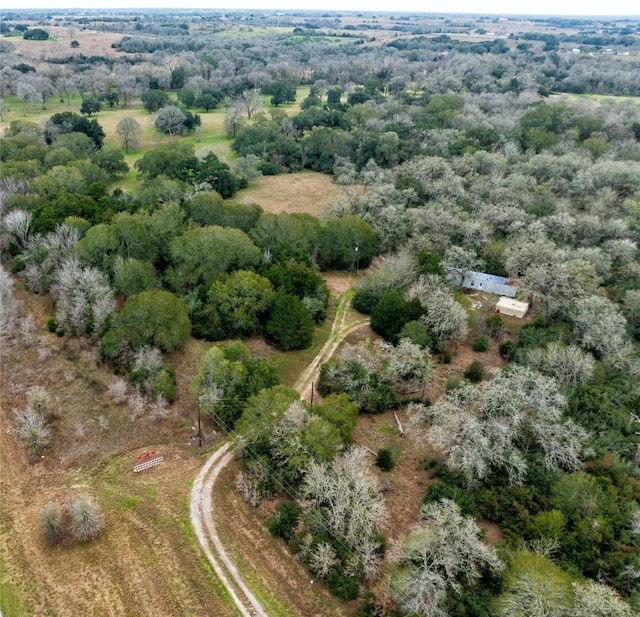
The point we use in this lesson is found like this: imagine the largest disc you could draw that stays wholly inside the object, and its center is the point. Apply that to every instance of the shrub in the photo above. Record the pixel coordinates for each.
(495, 325)
(290, 326)
(342, 586)
(51, 519)
(365, 299)
(507, 350)
(164, 384)
(474, 372)
(38, 399)
(386, 459)
(86, 520)
(446, 357)
(481, 344)
(52, 326)
(285, 520)
(454, 382)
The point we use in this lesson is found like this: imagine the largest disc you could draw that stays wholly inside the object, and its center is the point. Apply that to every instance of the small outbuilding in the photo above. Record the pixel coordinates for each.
(511, 307)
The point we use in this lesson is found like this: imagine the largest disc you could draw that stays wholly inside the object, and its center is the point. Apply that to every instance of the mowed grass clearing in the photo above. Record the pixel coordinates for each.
(305, 192)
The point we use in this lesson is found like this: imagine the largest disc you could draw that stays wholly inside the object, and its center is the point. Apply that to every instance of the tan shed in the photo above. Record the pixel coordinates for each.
(509, 306)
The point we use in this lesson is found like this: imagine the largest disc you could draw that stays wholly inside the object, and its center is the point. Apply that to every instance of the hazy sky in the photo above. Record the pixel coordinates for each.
(522, 7)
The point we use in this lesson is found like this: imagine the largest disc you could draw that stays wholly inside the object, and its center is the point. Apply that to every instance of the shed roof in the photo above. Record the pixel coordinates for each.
(490, 283)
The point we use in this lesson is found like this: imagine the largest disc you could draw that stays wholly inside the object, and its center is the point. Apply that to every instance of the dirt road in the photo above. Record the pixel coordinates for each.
(201, 493)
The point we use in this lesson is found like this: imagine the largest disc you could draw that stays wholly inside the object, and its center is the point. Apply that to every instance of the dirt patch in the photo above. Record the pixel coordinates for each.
(492, 532)
(304, 192)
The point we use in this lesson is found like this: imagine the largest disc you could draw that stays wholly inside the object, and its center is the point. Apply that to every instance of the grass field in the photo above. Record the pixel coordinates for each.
(598, 97)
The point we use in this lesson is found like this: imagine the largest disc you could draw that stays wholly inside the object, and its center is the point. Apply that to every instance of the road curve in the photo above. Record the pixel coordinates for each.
(205, 529)
(201, 492)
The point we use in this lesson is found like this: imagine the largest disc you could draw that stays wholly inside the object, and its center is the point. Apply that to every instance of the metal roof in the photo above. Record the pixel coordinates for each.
(488, 283)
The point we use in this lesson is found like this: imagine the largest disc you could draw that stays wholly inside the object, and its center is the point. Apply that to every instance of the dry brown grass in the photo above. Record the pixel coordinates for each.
(304, 192)
(92, 43)
(146, 561)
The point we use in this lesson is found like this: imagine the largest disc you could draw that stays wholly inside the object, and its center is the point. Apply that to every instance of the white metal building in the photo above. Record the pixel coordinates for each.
(511, 307)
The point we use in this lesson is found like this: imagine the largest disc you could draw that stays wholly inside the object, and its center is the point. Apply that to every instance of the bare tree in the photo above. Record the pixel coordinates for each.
(251, 101)
(83, 296)
(32, 429)
(17, 225)
(85, 518)
(444, 551)
(591, 599)
(170, 120)
(461, 261)
(570, 365)
(9, 307)
(52, 521)
(234, 116)
(536, 587)
(27, 94)
(445, 317)
(481, 430)
(322, 559)
(346, 495)
(129, 131)
(600, 327)
(118, 390)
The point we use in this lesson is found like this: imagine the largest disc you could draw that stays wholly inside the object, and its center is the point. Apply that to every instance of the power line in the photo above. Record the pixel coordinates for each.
(286, 487)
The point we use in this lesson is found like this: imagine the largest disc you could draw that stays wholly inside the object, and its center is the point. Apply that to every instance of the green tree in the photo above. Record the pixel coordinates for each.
(287, 236)
(69, 122)
(228, 377)
(111, 160)
(201, 255)
(340, 411)
(392, 312)
(155, 318)
(153, 100)
(37, 34)
(217, 174)
(90, 106)
(283, 91)
(131, 276)
(206, 101)
(208, 208)
(237, 306)
(347, 243)
(176, 161)
(290, 326)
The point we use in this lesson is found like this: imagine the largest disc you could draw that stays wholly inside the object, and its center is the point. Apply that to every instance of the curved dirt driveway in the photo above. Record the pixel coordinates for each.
(201, 518)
